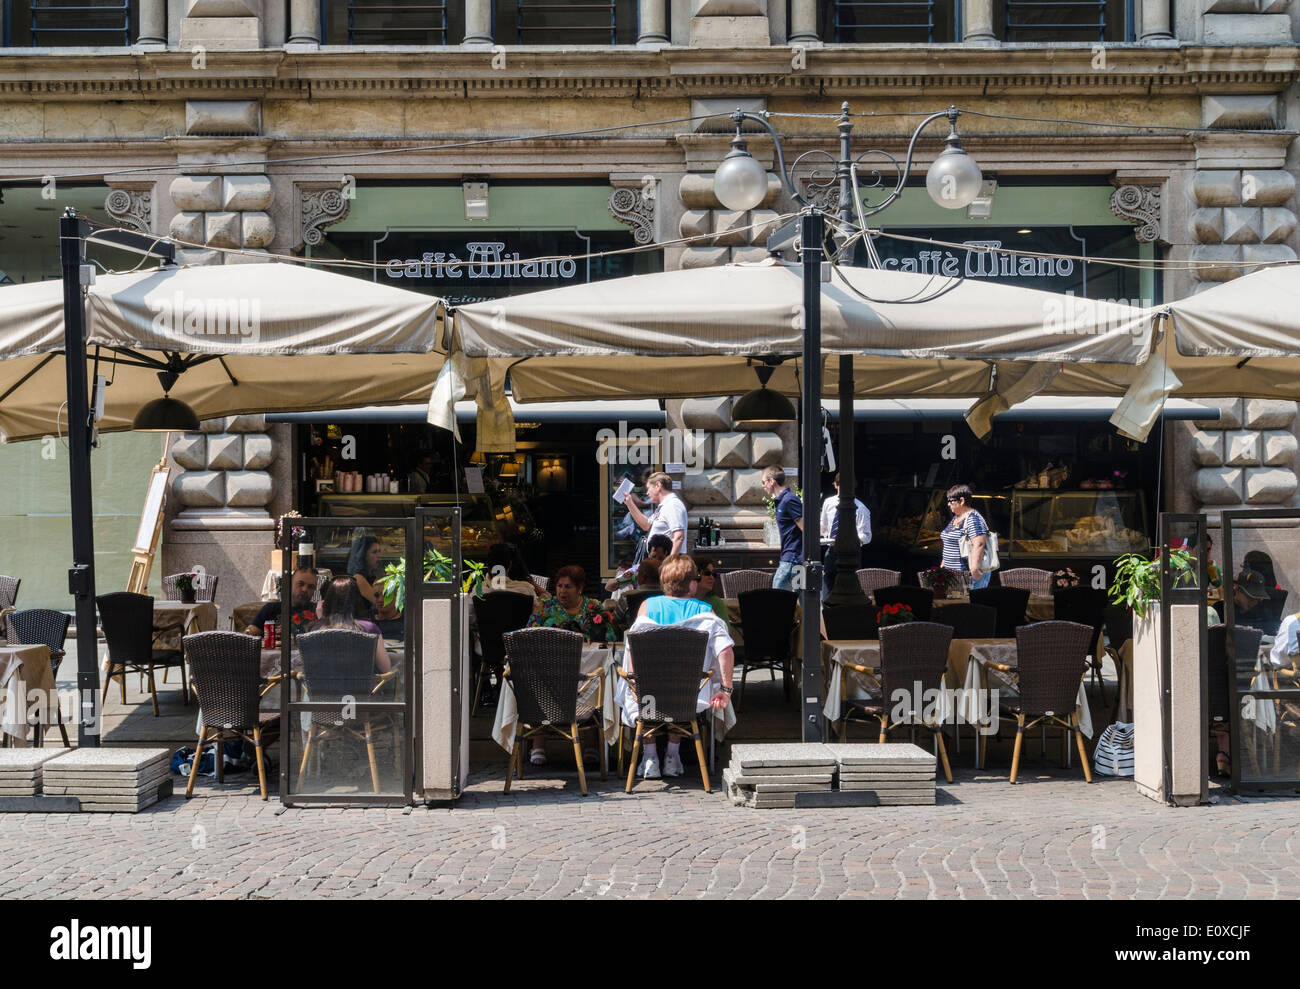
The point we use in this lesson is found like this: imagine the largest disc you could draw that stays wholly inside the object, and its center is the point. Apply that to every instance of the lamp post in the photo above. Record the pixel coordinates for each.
(740, 183)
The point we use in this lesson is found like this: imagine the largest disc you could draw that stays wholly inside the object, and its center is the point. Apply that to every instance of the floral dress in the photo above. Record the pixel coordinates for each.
(591, 619)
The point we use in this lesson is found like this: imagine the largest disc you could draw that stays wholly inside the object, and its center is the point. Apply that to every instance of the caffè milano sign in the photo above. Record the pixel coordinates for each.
(483, 259)
(976, 263)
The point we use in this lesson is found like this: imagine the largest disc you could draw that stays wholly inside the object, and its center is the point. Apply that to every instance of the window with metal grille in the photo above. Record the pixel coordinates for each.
(69, 23)
(1066, 20)
(884, 21)
(387, 22)
(564, 22)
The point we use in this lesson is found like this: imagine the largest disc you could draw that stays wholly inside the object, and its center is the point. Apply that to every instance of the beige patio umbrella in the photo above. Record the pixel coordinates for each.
(246, 338)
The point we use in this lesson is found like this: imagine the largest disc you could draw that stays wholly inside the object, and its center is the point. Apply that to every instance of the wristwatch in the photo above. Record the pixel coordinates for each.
(726, 690)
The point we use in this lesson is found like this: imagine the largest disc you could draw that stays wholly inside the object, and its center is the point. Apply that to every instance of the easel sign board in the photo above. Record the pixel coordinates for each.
(146, 537)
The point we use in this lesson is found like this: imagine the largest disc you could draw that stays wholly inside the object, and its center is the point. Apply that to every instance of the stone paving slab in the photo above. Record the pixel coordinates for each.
(781, 754)
(908, 786)
(24, 760)
(129, 780)
(747, 779)
(886, 777)
(108, 760)
(879, 754)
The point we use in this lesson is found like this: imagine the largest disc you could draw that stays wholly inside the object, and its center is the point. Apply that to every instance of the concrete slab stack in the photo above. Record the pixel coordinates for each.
(900, 773)
(109, 780)
(20, 771)
(768, 776)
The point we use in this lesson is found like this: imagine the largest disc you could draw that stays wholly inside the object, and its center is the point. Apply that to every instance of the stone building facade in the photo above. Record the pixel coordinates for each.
(248, 125)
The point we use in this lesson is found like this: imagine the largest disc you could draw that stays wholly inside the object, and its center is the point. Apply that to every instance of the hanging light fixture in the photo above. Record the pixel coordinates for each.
(954, 181)
(762, 406)
(166, 414)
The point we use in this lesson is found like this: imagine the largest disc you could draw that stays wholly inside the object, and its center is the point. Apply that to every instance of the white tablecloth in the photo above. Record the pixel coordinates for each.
(980, 675)
(27, 690)
(844, 683)
(595, 656)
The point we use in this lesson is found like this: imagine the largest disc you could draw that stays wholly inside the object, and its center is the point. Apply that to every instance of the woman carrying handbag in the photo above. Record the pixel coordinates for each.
(966, 538)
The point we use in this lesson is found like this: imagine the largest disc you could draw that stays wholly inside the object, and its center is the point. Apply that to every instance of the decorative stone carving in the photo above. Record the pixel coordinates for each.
(1241, 225)
(131, 208)
(732, 450)
(225, 451)
(1207, 225)
(1138, 204)
(187, 226)
(696, 223)
(259, 451)
(766, 449)
(1207, 448)
(319, 208)
(1241, 448)
(1269, 485)
(747, 487)
(707, 487)
(1279, 448)
(257, 229)
(201, 489)
(190, 451)
(1264, 413)
(1276, 224)
(707, 413)
(248, 488)
(246, 192)
(730, 227)
(630, 206)
(222, 229)
(1219, 486)
(197, 192)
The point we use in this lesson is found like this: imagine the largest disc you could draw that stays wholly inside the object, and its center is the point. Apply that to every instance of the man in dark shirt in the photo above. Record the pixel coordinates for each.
(303, 588)
(789, 523)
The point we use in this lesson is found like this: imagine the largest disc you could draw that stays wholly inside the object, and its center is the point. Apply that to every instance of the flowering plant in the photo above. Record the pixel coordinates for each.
(1063, 578)
(894, 614)
(185, 582)
(939, 578)
(301, 621)
(298, 531)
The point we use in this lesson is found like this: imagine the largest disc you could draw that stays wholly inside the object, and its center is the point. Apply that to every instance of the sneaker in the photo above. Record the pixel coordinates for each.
(673, 765)
(649, 768)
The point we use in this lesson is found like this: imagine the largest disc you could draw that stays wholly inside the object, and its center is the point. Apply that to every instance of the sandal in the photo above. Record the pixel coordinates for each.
(538, 757)
(1225, 767)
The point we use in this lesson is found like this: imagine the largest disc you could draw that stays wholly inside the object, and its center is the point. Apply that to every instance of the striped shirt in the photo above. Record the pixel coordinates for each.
(972, 524)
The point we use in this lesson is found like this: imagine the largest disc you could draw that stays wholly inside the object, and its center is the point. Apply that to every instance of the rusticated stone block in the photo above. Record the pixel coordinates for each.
(748, 255)
(1218, 485)
(1253, 111)
(225, 451)
(222, 117)
(187, 226)
(222, 229)
(1279, 448)
(1229, 413)
(1207, 225)
(1241, 448)
(1266, 254)
(763, 223)
(747, 487)
(1267, 413)
(1269, 485)
(259, 451)
(704, 257)
(1207, 448)
(729, 227)
(197, 192)
(201, 489)
(696, 449)
(1267, 187)
(246, 192)
(1247, 29)
(246, 424)
(731, 450)
(696, 223)
(191, 451)
(1221, 261)
(1241, 225)
(1217, 187)
(696, 190)
(193, 257)
(1276, 224)
(258, 229)
(221, 8)
(766, 449)
(707, 413)
(707, 487)
(1231, 6)
(218, 425)
(248, 488)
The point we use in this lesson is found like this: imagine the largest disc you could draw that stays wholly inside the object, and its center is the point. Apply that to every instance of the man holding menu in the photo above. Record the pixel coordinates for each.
(670, 512)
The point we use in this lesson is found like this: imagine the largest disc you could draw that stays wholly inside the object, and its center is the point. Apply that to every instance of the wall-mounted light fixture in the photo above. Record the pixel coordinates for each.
(476, 199)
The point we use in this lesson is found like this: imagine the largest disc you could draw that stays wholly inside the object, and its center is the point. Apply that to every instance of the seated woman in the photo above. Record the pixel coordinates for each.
(341, 608)
(707, 590)
(507, 572)
(363, 565)
(679, 579)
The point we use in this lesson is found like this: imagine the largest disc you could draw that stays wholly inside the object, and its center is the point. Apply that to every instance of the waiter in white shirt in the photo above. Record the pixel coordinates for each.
(669, 518)
(830, 528)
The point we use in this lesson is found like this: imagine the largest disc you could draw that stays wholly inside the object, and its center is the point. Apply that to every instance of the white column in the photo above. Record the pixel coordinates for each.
(478, 22)
(153, 23)
(304, 22)
(803, 22)
(654, 22)
(1155, 21)
(979, 23)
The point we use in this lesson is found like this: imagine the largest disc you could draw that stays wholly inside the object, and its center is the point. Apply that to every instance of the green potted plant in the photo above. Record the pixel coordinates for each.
(771, 533)
(1137, 578)
(940, 580)
(437, 567)
(185, 585)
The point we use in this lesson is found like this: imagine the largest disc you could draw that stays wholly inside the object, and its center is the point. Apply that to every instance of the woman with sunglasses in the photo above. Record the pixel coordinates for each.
(707, 589)
(969, 523)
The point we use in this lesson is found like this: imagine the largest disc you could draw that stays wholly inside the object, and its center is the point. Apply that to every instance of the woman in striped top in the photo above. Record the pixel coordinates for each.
(970, 523)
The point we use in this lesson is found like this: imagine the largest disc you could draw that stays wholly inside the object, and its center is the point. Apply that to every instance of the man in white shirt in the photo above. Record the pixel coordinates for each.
(670, 512)
(829, 527)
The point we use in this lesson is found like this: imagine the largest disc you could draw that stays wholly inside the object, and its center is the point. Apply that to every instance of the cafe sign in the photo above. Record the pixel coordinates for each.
(482, 259)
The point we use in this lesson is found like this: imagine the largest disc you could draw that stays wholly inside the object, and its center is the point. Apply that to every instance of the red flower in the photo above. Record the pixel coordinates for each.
(595, 619)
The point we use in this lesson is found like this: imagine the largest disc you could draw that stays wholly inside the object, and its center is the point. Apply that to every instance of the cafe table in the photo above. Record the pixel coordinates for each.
(596, 656)
(1041, 607)
(844, 683)
(188, 616)
(27, 690)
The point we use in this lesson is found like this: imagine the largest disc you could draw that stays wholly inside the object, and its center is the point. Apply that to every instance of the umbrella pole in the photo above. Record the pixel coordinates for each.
(81, 578)
(812, 229)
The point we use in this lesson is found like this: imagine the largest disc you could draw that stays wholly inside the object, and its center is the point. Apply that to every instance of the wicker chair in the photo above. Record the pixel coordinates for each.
(542, 582)
(339, 664)
(1087, 606)
(545, 672)
(242, 615)
(737, 582)
(850, 621)
(1029, 579)
(127, 621)
(1052, 659)
(41, 627)
(1222, 687)
(968, 621)
(910, 653)
(495, 614)
(873, 579)
(9, 592)
(1010, 604)
(668, 665)
(767, 622)
(920, 600)
(207, 592)
(636, 599)
(224, 670)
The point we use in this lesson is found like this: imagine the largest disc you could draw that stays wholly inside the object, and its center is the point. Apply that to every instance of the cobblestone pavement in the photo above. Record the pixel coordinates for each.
(1052, 835)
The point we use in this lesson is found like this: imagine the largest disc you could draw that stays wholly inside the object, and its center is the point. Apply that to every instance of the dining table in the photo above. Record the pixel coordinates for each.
(1040, 608)
(174, 619)
(27, 690)
(603, 657)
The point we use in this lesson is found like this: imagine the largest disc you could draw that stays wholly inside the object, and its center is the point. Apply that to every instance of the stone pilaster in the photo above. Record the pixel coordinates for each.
(153, 24)
(222, 24)
(1247, 456)
(1156, 25)
(304, 23)
(729, 24)
(478, 22)
(653, 23)
(803, 22)
(979, 23)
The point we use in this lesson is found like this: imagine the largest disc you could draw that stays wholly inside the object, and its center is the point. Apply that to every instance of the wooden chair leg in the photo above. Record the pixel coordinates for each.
(620, 745)
(370, 754)
(510, 765)
(884, 728)
(478, 690)
(604, 750)
(153, 690)
(261, 766)
(63, 730)
(185, 686)
(306, 754)
(943, 754)
(636, 750)
(221, 758)
(108, 682)
(577, 756)
(194, 768)
(1083, 754)
(1015, 753)
(699, 752)
(122, 683)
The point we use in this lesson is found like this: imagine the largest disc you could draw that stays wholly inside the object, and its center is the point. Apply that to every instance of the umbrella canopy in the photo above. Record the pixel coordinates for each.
(238, 338)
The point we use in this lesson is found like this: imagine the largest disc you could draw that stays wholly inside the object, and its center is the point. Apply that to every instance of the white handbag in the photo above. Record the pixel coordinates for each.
(990, 562)
(1114, 752)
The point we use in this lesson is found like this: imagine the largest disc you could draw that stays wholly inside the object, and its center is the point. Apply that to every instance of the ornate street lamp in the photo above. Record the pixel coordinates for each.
(740, 183)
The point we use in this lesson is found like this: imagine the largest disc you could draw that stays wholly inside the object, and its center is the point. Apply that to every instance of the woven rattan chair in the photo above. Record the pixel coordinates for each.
(737, 582)
(668, 667)
(9, 592)
(338, 665)
(127, 621)
(208, 592)
(542, 582)
(636, 599)
(544, 669)
(873, 579)
(920, 600)
(1010, 604)
(224, 670)
(968, 621)
(767, 621)
(1222, 685)
(41, 627)
(850, 621)
(242, 615)
(1051, 659)
(495, 614)
(910, 653)
(1087, 606)
(1029, 579)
